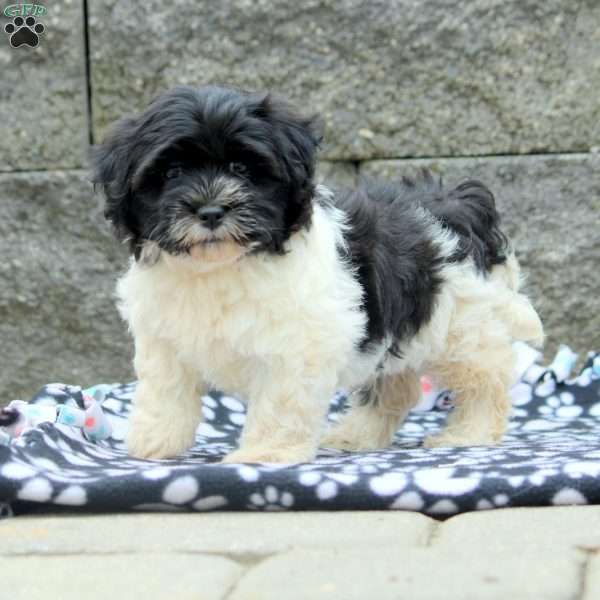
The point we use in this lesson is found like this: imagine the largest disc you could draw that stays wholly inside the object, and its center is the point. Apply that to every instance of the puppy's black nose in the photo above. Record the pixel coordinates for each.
(211, 216)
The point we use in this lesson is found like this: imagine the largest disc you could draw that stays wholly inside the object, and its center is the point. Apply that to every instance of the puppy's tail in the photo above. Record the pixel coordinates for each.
(469, 210)
(518, 313)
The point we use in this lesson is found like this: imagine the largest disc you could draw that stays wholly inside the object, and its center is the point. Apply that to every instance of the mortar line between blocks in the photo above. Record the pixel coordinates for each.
(88, 71)
(356, 163)
(583, 574)
(433, 533)
(247, 559)
(234, 586)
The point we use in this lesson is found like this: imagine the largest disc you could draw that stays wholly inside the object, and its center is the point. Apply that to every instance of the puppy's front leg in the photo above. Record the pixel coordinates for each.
(167, 404)
(285, 421)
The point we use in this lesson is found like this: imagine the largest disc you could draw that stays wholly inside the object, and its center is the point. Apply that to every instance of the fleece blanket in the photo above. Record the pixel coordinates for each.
(74, 457)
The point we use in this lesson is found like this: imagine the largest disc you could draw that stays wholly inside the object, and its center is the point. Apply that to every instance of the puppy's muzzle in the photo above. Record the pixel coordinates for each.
(211, 216)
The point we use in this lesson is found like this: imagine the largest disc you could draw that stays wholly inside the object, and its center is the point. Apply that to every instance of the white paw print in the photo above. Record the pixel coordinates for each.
(237, 411)
(561, 405)
(326, 484)
(271, 499)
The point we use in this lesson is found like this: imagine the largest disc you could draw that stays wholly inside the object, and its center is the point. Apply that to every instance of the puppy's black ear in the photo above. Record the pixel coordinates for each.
(111, 171)
(297, 139)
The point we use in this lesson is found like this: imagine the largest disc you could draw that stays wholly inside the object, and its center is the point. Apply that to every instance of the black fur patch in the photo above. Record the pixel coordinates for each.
(398, 262)
(469, 210)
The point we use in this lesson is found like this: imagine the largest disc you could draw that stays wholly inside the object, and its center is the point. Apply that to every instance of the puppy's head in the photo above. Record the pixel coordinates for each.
(209, 172)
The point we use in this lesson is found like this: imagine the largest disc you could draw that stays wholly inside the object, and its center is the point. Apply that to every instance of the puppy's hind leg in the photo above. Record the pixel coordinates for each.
(374, 418)
(482, 401)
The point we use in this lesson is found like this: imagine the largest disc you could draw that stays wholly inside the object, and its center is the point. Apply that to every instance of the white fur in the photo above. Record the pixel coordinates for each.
(278, 330)
(282, 331)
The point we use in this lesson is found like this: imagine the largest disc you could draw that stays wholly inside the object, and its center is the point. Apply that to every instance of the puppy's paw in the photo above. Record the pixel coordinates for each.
(264, 454)
(352, 439)
(341, 441)
(453, 440)
(155, 439)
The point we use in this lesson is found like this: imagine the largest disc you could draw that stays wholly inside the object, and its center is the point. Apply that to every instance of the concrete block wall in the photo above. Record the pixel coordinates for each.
(503, 90)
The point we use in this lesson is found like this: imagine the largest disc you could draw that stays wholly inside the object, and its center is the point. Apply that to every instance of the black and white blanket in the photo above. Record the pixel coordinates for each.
(550, 456)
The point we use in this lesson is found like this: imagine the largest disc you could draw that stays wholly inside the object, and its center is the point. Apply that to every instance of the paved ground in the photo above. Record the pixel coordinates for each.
(511, 554)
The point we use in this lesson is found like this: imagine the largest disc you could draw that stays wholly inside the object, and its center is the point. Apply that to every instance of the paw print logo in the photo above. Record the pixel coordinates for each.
(24, 32)
(271, 499)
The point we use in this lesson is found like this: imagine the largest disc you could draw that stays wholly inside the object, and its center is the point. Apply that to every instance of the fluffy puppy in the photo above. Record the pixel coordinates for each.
(247, 277)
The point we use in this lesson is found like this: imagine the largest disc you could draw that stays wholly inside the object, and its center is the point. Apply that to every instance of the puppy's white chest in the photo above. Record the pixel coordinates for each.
(228, 325)
(296, 316)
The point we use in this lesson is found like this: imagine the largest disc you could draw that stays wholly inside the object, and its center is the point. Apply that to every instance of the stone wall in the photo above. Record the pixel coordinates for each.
(504, 90)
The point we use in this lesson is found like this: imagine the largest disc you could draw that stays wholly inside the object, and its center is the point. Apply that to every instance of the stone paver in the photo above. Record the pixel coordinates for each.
(237, 534)
(399, 572)
(514, 554)
(118, 577)
(523, 528)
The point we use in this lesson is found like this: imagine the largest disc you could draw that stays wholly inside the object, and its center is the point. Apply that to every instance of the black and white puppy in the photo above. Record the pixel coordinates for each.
(248, 277)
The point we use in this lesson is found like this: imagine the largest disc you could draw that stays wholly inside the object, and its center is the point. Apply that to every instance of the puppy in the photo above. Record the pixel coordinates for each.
(248, 277)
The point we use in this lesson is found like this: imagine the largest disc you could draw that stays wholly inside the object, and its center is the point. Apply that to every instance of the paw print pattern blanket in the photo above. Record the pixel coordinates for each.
(550, 455)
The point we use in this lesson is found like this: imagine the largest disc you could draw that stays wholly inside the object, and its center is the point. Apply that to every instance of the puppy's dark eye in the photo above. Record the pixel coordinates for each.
(173, 172)
(238, 168)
